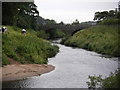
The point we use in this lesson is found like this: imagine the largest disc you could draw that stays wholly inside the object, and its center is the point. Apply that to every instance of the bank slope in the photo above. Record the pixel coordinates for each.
(25, 48)
(102, 39)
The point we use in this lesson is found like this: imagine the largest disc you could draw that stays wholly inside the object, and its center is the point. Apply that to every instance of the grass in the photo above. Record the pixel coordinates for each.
(110, 21)
(102, 39)
(26, 49)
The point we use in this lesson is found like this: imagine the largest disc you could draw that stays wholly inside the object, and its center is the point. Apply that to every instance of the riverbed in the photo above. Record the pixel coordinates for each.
(72, 68)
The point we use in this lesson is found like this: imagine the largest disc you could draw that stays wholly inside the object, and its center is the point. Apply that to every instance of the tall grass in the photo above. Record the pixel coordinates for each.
(26, 49)
(102, 39)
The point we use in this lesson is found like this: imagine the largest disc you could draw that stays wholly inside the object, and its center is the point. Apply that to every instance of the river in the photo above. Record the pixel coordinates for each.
(72, 68)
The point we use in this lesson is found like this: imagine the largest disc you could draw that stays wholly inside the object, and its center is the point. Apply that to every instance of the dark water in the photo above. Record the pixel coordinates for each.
(72, 69)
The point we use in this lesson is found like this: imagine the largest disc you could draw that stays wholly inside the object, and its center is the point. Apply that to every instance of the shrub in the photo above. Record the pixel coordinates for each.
(113, 81)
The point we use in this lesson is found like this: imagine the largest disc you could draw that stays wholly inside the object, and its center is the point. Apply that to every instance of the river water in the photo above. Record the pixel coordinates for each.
(72, 68)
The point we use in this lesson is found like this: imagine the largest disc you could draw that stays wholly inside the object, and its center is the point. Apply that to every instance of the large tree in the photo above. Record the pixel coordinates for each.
(20, 14)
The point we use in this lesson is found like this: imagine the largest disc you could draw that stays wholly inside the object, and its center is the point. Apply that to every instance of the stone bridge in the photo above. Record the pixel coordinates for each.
(69, 29)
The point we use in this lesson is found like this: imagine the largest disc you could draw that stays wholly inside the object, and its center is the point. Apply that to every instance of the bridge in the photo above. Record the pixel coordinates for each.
(69, 29)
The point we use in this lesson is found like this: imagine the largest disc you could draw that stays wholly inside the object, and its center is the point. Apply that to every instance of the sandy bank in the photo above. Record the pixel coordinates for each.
(21, 71)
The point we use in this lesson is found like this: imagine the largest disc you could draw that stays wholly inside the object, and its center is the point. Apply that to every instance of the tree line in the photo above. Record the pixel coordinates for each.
(107, 17)
(23, 15)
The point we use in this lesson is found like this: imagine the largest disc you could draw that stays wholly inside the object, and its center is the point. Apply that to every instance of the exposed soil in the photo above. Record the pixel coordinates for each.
(18, 71)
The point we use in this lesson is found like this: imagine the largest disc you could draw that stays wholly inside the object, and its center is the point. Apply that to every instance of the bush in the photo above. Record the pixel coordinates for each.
(113, 81)
(51, 51)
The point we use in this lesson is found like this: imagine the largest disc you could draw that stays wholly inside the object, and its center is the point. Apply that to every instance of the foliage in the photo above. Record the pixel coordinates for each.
(51, 51)
(112, 81)
(50, 34)
(75, 22)
(106, 15)
(111, 21)
(5, 59)
(42, 34)
(95, 82)
(26, 49)
(45, 24)
(111, 17)
(20, 14)
(102, 39)
(65, 38)
(57, 33)
(50, 22)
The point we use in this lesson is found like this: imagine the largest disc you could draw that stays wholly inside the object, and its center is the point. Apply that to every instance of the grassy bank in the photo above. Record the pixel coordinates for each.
(25, 49)
(102, 39)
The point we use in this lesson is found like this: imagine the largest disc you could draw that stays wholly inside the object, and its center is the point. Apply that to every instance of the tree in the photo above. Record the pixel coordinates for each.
(20, 14)
(9, 10)
(101, 15)
(49, 22)
(75, 22)
(61, 23)
(112, 13)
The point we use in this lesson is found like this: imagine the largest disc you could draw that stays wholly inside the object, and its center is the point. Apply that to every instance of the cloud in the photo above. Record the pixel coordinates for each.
(69, 10)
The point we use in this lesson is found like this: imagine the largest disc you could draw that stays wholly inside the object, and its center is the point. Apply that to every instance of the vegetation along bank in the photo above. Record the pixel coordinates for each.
(101, 38)
(26, 49)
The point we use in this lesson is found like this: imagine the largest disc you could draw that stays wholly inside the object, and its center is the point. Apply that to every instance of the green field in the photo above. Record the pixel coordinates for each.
(101, 38)
(25, 48)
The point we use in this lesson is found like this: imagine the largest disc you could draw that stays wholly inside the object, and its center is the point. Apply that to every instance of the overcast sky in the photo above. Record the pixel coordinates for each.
(69, 10)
